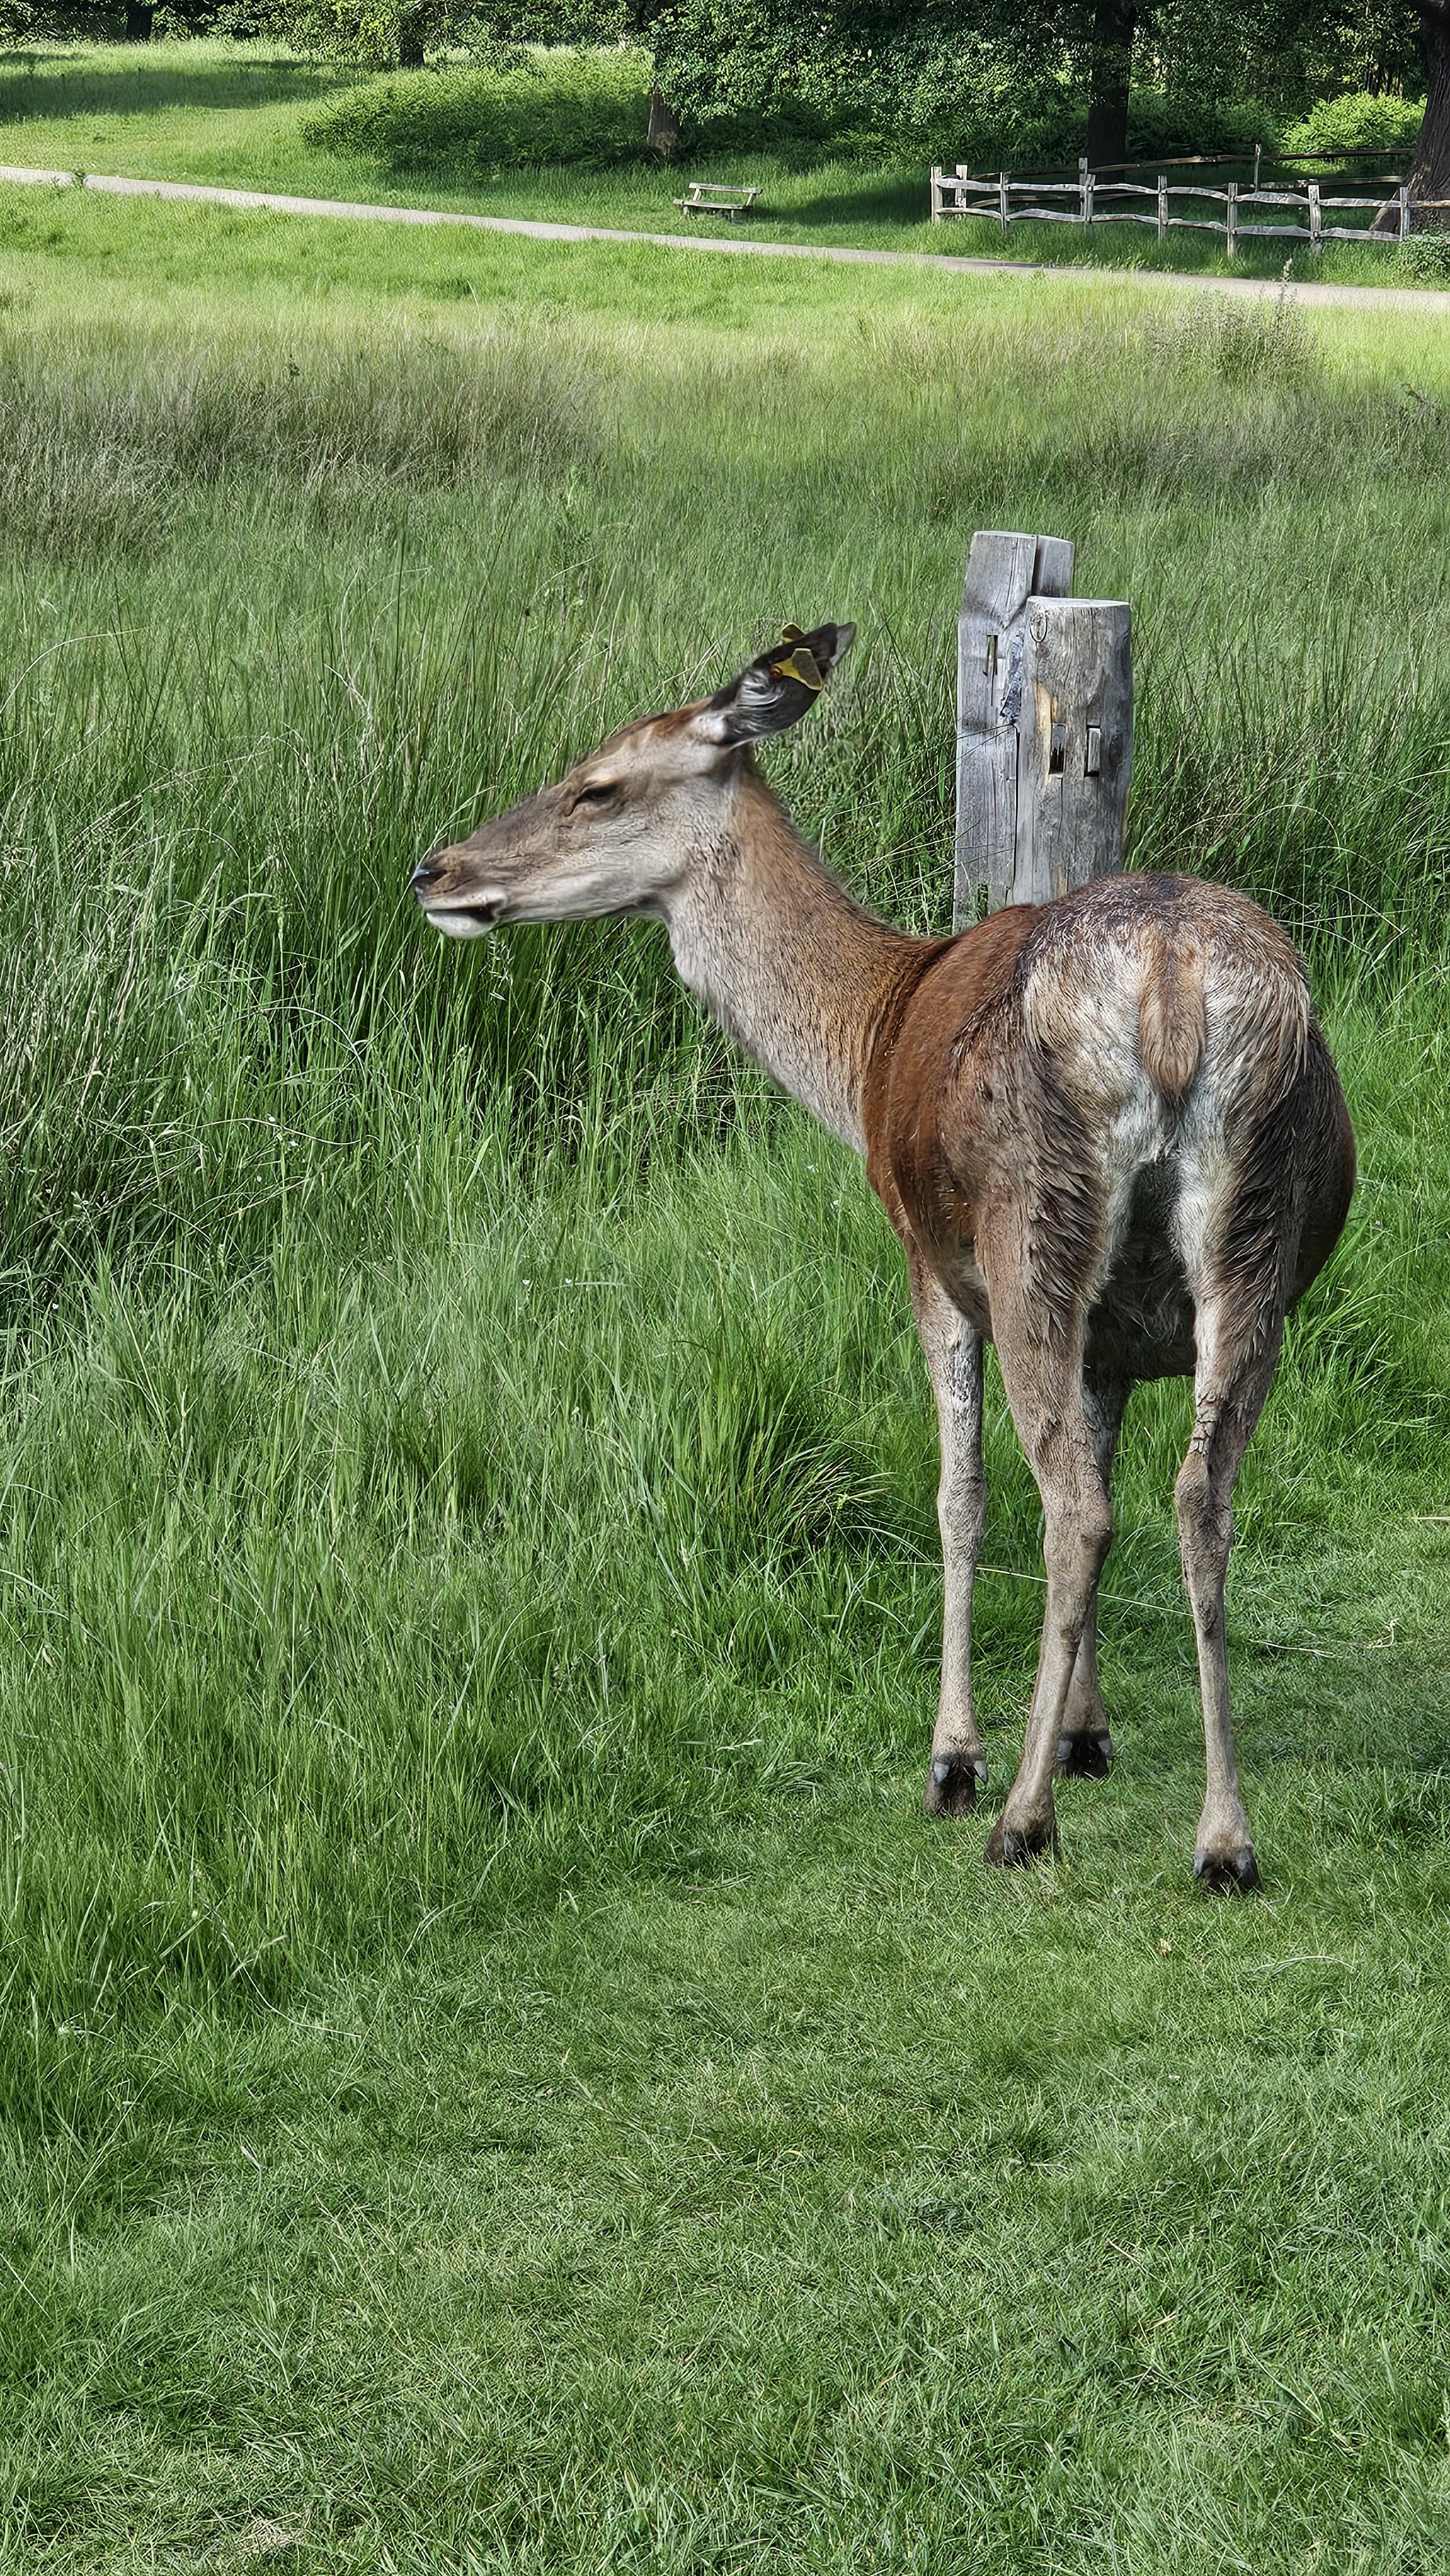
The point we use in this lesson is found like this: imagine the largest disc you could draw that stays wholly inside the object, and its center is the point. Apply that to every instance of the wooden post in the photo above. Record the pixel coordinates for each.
(1404, 198)
(1163, 206)
(1075, 744)
(1316, 219)
(1004, 197)
(1044, 726)
(1085, 185)
(1231, 219)
(935, 184)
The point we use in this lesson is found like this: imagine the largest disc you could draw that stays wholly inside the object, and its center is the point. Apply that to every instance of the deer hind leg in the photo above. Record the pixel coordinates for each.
(1041, 1359)
(954, 1361)
(1232, 1379)
(1085, 1746)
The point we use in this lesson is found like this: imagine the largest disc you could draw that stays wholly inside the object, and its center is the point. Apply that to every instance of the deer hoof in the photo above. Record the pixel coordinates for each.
(1220, 1872)
(1012, 1846)
(1085, 1757)
(952, 1784)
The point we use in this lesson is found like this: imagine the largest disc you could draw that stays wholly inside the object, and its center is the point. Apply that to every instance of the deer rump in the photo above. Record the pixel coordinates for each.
(1120, 1104)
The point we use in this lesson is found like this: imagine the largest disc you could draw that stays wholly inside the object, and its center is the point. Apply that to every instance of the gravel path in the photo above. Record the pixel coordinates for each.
(1410, 299)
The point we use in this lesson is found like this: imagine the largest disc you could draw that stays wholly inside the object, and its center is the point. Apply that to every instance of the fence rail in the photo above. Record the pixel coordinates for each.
(1299, 209)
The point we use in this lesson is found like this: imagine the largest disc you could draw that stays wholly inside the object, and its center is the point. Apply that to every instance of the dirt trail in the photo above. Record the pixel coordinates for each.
(1415, 299)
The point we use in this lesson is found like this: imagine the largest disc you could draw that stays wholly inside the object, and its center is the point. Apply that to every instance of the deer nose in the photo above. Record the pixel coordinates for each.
(429, 869)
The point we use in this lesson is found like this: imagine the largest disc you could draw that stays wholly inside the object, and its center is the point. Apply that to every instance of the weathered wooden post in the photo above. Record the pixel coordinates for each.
(1044, 726)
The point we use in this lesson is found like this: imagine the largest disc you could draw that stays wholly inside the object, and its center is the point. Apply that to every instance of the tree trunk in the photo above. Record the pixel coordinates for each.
(138, 22)
(1429, 171)
(1112, 67)
(664, 125)
(410, 37)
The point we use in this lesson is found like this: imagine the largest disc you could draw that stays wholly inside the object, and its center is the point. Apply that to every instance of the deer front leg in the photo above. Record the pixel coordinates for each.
(954, 1362)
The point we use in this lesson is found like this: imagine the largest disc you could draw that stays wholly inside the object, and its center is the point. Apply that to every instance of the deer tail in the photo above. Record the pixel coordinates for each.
(1171, 1020)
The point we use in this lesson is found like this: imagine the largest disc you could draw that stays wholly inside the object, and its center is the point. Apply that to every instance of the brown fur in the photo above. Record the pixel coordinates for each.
(1106, 1130)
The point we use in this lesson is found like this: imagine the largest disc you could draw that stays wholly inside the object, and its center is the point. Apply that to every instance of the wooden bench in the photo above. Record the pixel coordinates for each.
(701, 199)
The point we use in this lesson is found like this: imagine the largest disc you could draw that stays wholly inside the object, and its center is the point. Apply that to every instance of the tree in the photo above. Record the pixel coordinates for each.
(1110, 74)
(1429, 172)
(1033, 71)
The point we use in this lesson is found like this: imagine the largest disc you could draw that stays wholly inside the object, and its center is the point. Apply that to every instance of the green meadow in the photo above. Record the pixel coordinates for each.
(560, 142)
(496, 2072)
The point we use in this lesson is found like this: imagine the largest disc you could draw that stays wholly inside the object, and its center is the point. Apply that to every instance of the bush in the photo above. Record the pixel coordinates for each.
(1358, 122)
(1007, 128)
(1170, 129)
(586, 106)
(1425, 257)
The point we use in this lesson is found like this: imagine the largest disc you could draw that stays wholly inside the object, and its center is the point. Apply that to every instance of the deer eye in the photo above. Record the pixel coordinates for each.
(599, 791)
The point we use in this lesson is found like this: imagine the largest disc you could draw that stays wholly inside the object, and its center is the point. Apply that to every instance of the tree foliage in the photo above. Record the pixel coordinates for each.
(388, 34)
(883, 66)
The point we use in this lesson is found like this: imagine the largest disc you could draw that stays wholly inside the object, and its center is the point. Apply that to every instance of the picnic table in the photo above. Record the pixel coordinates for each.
(702, 199)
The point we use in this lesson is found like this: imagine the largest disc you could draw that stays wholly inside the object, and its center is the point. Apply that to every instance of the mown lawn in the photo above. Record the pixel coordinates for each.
(224, 115)
(496, 2071)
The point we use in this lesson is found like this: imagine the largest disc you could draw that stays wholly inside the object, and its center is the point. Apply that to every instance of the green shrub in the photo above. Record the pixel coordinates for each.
(1162, 128)
(993, 127)
(1358, 122)
(997, 123)
(586, 106)
(1425, 257)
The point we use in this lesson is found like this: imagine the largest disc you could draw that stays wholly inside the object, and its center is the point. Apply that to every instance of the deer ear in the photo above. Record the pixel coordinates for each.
(775, 690)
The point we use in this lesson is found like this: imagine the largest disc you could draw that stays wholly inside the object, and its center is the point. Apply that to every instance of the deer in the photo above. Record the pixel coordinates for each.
(1107, 1131)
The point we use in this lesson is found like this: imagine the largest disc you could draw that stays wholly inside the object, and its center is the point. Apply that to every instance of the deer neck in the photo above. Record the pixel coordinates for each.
(780, 954)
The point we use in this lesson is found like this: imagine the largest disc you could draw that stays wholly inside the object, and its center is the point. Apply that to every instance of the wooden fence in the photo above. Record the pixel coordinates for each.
(1297, 209)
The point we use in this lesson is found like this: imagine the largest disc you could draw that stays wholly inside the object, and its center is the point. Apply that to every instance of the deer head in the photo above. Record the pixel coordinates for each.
(621, 829)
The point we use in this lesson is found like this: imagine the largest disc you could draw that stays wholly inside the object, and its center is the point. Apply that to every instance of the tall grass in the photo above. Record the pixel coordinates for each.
(462, 1447)
(285, 602)
(287, 598)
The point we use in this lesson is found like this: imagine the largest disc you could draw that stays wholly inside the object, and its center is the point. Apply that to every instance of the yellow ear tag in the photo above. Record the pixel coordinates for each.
(800, 666)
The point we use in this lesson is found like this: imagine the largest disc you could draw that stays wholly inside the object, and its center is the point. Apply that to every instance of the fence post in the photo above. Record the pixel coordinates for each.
(1316, 220)
(1085, 186)
(1258, 157)
(1163, 206)
(1075, 744)
(1004, 197)
(1231, 219)
(935, 192)
(1044, 726)
(1404, 197)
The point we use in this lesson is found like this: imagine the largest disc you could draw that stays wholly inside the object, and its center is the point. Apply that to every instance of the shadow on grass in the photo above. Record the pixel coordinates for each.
(891, 196)
(35, 84)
